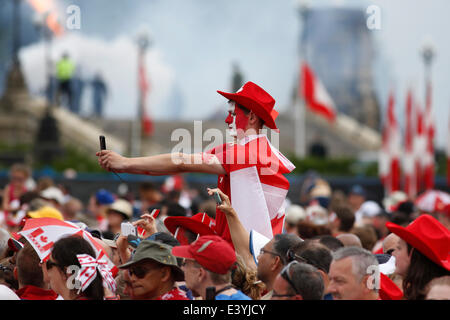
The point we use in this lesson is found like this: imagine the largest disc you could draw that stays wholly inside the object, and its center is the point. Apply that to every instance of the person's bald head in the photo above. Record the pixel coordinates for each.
(390, 243)
(349, 240)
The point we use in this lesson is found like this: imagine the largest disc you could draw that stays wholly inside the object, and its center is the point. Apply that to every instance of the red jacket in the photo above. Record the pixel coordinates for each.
(30, 292)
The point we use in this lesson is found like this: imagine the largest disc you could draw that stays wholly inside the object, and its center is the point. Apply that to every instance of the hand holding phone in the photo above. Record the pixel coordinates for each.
(217, 198)
(127, 228)
(102, 143)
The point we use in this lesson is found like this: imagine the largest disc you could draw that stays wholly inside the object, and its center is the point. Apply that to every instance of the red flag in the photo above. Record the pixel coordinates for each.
(315, 94)
(448, 151)
(419, 145)
(409, 158)
(428, 159)
(389, 156)
(144, 87)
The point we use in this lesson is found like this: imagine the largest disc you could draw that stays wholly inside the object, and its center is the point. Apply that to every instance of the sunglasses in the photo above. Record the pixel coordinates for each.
(139, 272)
(262, 251)
(286, 276)
(292, 256)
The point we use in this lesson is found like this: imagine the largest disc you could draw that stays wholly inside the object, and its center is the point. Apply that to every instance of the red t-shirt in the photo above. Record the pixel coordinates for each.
(30, 292)
(174, 294)
(256, 152)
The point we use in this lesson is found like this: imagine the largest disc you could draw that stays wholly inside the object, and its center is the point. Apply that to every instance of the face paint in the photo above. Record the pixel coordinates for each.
(241, 119)
(231, 119)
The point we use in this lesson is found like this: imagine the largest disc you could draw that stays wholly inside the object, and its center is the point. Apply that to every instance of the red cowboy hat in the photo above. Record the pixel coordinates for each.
(256, 99)
(388, 289)
(200, 224)
(427, 235)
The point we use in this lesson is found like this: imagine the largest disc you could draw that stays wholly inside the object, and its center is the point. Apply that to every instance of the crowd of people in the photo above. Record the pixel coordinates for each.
(246, 240)
(326, 251)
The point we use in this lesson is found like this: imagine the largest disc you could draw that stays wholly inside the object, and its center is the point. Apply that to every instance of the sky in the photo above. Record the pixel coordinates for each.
(195, 42)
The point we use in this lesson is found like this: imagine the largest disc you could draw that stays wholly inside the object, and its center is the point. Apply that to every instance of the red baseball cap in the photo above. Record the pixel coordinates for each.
(256, 99)
(388, 289)
(427, 235)
(200, 224)
(211, 252)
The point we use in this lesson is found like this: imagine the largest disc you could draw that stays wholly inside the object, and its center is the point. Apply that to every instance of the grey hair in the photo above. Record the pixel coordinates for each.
(362, 259)
(4, 236)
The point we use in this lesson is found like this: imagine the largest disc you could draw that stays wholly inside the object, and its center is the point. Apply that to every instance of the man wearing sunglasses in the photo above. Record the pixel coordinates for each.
(153, 271)
(272, 258)
(298, 281)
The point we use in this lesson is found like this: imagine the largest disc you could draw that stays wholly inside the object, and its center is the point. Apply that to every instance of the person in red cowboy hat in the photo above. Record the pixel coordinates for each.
(187, 229)
(428, 248)
(250, 170)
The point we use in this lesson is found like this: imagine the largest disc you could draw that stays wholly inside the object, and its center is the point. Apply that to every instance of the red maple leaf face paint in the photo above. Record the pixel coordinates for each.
(241, 119)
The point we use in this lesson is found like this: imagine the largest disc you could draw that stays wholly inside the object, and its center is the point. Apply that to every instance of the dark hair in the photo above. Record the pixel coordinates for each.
(313, 253)
(29, 272)
(346, 217)
(65, 252)
(308, 230)
(307, 281)
(283, 242)
(175, 210)
(367, 235)
(420, 272)
(330, 242)
(147, 186)
(28, 196)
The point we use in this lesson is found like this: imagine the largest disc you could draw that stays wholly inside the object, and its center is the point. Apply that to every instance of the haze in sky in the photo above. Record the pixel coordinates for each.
(195, 42)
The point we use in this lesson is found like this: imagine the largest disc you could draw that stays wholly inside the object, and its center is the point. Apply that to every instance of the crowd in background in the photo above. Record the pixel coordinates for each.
(329, 242)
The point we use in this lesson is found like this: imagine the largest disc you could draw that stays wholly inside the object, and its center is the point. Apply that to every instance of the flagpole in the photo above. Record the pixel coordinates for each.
(299, 106)
(428, 55)
(136, 135)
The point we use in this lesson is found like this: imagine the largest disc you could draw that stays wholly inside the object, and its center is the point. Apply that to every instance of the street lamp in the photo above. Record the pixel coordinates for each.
(39, 22)
(428, 53)
(144, 41)
(16, 30)
(299, 107)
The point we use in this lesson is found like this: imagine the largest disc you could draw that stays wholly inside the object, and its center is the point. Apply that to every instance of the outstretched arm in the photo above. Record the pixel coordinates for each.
(239, 235)
(163, 164)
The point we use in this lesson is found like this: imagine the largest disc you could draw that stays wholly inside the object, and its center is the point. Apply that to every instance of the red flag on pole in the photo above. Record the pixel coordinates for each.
(448, 151)
(428, 159)
(144, 87)
(419, 145)
(389, 161)
(315, 94)
(409, 158)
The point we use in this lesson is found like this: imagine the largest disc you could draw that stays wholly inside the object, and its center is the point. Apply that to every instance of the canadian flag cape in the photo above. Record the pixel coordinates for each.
(255, 184)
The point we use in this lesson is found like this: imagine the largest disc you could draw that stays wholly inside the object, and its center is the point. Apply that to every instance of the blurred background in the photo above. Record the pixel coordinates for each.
(376, 113)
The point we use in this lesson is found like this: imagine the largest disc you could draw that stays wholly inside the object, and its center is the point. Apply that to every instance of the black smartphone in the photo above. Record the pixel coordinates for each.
(210, 293)
(102, 143)
(217, 198)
